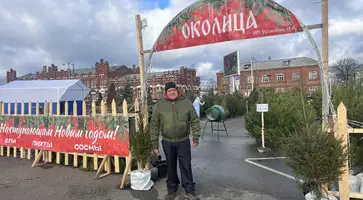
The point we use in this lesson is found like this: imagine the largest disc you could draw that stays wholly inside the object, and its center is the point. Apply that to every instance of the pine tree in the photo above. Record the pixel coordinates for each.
(111, 95)
(127, 93)
(99, 98)
(119, 97)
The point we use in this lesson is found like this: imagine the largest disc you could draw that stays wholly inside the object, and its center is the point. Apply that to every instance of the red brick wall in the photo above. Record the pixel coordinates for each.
(220, 76)
(288, 78)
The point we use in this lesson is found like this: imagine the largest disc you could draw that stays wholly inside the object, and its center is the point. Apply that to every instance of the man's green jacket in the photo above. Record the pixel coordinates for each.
(173, 119)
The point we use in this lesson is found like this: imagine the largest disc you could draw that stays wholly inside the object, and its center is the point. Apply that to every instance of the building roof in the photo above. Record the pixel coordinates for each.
(93, 70)
(29, 76)
(116, 67)
(80, 71)
(282, 63)
(148, 75)
(83, 71)
(43, 90)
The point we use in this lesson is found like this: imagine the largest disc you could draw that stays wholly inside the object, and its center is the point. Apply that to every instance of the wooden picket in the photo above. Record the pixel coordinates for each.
(341, 130)
(47, 156)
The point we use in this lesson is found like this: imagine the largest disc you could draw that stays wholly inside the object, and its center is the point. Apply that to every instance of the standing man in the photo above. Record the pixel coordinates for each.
(172, 117)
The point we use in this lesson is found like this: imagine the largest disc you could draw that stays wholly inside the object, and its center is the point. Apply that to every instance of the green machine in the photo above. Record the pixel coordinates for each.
(215, 114)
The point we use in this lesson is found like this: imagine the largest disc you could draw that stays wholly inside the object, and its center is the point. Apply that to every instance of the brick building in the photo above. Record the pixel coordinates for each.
(10, 75)
(279, 74)
(102, 75)
(185, 79)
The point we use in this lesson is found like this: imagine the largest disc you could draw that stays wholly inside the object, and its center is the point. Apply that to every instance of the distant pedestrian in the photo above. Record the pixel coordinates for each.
(172, 117)
(197, 105)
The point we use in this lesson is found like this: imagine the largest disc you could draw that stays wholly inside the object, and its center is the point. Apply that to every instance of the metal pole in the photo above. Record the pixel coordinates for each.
(252, 78)
(263, 130)
(247, 106)
(140, 54)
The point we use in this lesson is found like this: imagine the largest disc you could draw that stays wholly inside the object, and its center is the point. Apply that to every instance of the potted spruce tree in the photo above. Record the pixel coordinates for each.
(140, 148)
(317, 158)
(315, 155)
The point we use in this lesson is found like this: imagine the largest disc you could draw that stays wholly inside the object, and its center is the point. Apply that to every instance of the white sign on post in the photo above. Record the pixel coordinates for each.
(262, 108)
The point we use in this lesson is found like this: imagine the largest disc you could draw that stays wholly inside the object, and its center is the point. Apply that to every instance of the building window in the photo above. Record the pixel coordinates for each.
(265, 79)
(280, 90)
(286, 63)
(280, 77)
(296, 76)
(249, 79)
(313, 75)
(225, 81)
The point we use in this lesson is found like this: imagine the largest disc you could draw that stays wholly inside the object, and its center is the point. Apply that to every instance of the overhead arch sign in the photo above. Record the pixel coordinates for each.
(215, 21)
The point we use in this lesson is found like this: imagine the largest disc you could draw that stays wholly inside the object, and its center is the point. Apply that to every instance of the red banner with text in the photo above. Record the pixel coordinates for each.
(104, 135)
(214, 21)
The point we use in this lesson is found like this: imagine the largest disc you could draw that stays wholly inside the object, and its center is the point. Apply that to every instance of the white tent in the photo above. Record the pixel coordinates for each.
(43, 90)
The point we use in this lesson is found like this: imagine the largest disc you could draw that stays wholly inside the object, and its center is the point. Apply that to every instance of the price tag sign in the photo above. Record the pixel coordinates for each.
(262, 107)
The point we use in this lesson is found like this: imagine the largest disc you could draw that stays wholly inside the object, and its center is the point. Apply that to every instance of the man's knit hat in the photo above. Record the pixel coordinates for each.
(169, 85)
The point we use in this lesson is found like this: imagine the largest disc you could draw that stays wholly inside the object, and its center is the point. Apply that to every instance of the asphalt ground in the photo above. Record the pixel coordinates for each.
(219, 169)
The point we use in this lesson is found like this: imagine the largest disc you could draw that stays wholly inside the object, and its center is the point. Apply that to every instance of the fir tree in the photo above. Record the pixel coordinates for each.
(127, 93)
(99, 98)
(140, 143)
(111, 95)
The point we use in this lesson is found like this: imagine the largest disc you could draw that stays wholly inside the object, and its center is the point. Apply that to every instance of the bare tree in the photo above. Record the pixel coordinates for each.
(208, 84)
(346, 69)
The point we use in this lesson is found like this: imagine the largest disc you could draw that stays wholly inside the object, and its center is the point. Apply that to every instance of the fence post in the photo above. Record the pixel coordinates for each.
(15, 149)
(57, 157)
(9, 108)
(84, 114)
(29, 114)
(95, 156)
(342, 132)
(16, 108)
(22, 115)
(8, 147)
(108, 161)
(1, 114)
(116, 158)
(46, 108)
(129, 157)
(66, 157)
(75, 155)
(50, 114)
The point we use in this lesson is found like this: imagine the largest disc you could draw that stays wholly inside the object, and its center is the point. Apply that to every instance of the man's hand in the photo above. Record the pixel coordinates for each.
(194, 144)
(156, 152)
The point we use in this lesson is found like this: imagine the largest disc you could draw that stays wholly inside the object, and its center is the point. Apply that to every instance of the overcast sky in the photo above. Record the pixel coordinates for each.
(82, 31)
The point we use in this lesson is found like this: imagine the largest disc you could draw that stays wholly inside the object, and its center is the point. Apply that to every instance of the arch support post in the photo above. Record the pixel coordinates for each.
(140, 54)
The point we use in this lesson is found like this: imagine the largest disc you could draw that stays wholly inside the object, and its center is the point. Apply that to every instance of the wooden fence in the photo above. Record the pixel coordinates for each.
(341, 130)
(108, 164)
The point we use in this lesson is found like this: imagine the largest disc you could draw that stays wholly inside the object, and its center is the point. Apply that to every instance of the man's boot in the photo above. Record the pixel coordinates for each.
(170, 196)
(191, 196)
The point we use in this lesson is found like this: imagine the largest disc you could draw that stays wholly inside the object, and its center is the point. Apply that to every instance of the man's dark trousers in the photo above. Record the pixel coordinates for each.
(181, 151)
